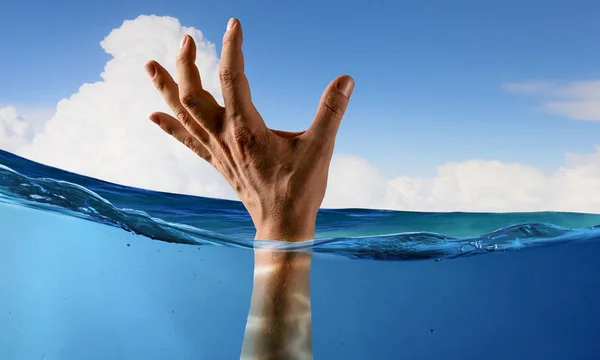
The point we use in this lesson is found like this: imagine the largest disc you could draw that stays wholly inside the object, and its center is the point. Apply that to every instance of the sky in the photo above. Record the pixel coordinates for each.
(460, 105)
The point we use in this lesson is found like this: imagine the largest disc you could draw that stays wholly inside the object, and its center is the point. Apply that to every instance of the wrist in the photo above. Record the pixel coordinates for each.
(291, 230)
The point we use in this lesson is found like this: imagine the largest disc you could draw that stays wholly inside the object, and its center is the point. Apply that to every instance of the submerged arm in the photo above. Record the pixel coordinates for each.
(279, 321)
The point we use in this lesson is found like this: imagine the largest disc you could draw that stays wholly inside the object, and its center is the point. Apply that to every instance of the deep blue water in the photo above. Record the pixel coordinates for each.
(93, 270)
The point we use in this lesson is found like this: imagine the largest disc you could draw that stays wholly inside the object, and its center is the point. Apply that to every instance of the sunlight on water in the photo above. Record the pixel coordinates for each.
(99, 271)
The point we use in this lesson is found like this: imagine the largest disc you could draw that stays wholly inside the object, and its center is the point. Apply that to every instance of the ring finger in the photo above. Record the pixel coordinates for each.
(171, 126)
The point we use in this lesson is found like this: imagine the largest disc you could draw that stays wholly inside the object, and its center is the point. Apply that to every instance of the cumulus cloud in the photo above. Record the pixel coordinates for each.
(577, 100)
(15, 131)
(473, 185)
(103, 131)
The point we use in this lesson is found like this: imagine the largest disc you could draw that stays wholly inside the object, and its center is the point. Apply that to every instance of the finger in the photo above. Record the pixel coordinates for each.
(169, 90)
(236, 90)
(171, 126)
(334, 102)
(193, 98)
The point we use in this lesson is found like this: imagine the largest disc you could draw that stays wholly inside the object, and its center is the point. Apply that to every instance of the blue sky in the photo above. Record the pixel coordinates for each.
(429, 74)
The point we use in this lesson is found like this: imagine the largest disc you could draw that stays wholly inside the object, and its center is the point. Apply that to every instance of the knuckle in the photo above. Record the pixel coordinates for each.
(189, 142)
(228, 76)
(335, 105)
(244, 138)
(227, 41)
(168, 129)
(161, 85)
(181, 60)
(189, 100)
(231, 40)
(183, 117)
(237, 187)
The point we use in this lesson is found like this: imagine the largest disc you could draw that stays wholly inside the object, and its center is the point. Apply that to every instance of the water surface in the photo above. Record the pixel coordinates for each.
(93, 270)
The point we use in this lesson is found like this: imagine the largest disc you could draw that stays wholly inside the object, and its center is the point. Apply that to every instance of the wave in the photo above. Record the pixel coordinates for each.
(353, 233)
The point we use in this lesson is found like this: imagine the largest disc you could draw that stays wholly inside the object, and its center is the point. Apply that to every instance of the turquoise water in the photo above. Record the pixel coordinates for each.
(92, 270)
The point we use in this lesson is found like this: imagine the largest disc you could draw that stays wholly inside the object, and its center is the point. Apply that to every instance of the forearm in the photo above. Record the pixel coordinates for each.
(279, 321)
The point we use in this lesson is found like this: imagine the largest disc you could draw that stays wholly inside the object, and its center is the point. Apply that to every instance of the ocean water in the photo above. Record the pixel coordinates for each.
(93, 270)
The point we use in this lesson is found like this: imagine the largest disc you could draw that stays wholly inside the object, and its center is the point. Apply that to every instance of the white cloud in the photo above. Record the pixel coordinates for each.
(15, 131)
(103, 131)
(577, 100)
(353, 182)
(473, 185)
(19, 123)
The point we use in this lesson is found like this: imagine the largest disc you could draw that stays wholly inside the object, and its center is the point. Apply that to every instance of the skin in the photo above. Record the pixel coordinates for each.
(279, 176)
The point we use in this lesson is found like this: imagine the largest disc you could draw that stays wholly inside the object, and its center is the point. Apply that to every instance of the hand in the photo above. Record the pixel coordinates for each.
(279, 176)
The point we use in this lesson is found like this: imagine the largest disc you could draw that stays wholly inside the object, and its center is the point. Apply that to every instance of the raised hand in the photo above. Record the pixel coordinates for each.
(279, 176)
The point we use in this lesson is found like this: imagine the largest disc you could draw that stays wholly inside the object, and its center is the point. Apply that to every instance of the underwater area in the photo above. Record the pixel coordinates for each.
(94, 270)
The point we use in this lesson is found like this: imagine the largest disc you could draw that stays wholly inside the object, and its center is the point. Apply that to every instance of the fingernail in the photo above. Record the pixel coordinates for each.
(230, 24)
(183, 41)
(151, 69)
(346, 85)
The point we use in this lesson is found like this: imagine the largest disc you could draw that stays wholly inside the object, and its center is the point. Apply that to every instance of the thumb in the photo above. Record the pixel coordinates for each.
(331, 109)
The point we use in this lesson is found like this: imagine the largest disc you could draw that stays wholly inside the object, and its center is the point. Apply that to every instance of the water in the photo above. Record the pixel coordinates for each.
(92, 270)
